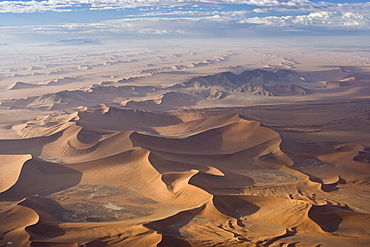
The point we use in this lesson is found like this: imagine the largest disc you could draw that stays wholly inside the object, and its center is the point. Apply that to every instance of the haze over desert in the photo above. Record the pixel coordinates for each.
(199, 124)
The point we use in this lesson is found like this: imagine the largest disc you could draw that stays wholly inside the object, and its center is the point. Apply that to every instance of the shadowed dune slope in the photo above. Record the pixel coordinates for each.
(113, 177)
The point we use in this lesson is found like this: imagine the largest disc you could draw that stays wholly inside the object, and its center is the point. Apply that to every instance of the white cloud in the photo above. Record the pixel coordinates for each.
(318, 19)
(127, 26)
(168, 19)
(259, 10)
(214, 24)
(64, 5)
(234, 14)
(31, 6)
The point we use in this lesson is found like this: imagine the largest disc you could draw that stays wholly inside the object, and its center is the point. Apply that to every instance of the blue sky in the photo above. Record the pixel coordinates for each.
(53, 20)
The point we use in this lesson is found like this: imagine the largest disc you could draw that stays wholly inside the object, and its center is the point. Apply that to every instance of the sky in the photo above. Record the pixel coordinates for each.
(101, 20)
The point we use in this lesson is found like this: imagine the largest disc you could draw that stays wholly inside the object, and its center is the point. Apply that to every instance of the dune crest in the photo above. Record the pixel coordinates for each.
(10, 169)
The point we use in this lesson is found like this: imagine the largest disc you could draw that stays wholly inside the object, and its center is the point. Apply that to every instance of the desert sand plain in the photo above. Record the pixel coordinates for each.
(197, 144)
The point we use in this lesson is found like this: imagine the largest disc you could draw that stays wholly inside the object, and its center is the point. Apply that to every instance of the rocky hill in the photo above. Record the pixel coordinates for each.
(258, 76)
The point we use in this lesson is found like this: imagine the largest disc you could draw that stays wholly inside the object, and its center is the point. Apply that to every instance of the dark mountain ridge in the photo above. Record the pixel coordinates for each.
(258, 76)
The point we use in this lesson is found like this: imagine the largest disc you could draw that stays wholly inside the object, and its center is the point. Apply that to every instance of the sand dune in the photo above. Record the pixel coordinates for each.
(186, 150)
(21, 85)
(10, 169)
(114, 177)
(191, 93)
(223, 89)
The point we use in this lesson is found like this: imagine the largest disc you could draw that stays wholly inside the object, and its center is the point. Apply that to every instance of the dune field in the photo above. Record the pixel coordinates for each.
(175, 146)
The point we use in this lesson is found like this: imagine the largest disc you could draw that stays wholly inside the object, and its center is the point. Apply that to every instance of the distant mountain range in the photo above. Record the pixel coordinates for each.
(211, 87)
(258, 82)
(258, 76)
